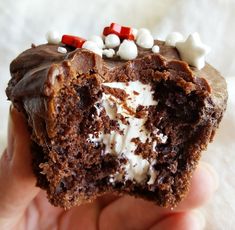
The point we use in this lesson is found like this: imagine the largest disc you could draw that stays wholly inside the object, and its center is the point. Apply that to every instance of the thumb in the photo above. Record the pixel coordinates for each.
(17, 182)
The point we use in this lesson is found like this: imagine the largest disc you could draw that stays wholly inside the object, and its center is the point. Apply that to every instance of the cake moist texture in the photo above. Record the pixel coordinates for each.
(110, 126)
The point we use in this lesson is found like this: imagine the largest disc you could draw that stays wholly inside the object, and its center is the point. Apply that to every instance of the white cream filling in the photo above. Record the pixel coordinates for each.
(136, 168)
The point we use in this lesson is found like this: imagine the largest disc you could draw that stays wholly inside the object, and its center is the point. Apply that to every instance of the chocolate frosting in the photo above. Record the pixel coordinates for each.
(33, 69)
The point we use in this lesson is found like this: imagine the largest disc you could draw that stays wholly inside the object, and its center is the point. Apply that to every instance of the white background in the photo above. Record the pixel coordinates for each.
(26, 21)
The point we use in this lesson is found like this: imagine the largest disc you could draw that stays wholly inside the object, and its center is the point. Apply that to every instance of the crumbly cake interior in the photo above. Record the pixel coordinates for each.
(130, 137)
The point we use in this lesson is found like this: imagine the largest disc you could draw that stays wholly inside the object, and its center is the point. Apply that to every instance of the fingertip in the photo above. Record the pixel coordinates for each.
(193, 220)
(213, 174)
(205, 180)
(203, 185)
(199, 217)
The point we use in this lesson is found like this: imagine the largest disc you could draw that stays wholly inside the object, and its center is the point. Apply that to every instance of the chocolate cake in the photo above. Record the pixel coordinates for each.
(106, 125)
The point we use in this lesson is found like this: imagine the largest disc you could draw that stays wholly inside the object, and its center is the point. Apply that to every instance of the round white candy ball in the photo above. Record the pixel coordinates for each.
(143, 31)
(145, 40)
(174, 37)
(134, 32)
(53, 37)
(112, 41)
(155, 49)
(92, 46)
(128, 50)
(98, 40)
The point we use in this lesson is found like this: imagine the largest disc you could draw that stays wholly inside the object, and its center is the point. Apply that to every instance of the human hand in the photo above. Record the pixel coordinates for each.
(24, 206)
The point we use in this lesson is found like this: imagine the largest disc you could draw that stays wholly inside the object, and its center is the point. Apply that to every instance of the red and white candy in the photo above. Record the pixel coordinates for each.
(115, 36)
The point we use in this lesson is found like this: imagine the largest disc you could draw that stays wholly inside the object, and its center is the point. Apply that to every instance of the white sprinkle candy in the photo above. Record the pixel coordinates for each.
(155, 49)
(142, 31)
(92, 46)
(134, 32)
(127, 50)
(112, 41)
(53, 37)
(62, 50)
(193, 51)
(145, 40)
(98, 40)
(109, 53)
(174, 37)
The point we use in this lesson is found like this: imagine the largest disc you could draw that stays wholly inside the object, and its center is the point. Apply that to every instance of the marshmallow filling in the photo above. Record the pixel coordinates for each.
(123, 143)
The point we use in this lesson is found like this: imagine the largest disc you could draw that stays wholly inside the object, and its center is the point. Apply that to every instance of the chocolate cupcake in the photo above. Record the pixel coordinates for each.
(134, 121)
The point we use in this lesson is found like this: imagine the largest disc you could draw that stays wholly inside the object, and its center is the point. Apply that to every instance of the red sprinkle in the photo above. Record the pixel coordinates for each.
(115, 28)
(73, 41)
(106, 31)
(122, 32)
(126, 33)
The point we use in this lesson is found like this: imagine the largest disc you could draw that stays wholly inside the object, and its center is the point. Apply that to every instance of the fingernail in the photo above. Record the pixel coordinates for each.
(200, 219)
(213, 173)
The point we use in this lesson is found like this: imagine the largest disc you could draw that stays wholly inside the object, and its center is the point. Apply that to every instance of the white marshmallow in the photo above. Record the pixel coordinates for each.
(53, 37)
(193, 51)
(155, 49)
(98, 40)
(112, 41)
(62, 50)
(145, 40)
(174, 37)
(92, 46)
(109, 53)
(127, 50)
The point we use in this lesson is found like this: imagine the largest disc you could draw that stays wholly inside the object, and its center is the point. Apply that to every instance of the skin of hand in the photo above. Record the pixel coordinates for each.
(24, 206)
